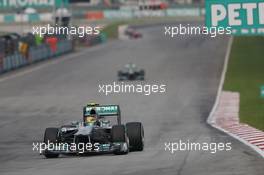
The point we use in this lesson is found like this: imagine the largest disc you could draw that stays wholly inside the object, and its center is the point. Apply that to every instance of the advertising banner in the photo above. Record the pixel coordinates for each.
(245, 17)
(32, 3)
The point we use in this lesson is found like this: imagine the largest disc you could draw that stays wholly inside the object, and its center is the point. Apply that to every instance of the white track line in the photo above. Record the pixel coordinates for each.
(211, 119)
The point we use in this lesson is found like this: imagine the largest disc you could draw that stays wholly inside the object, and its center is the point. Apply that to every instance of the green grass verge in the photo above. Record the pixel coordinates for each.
(245, 75)
(111, 30)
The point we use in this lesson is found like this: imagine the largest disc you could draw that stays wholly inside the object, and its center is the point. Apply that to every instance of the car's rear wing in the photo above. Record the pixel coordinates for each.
(104, 110)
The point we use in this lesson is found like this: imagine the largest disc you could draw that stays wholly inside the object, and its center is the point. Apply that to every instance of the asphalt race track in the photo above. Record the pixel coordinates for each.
(52, 93)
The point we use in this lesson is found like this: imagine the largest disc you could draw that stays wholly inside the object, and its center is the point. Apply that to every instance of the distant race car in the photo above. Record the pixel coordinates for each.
(100, 131)
(133, 33)
(131, 72)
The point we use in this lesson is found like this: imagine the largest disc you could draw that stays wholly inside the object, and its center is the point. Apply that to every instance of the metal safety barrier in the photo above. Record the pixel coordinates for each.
(35, 54)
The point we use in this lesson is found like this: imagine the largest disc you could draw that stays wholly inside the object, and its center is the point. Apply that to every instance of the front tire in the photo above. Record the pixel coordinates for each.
(119, 135)
(51, 136)
(135, 133)
(142, 72)
(142, 75)
(120, 75)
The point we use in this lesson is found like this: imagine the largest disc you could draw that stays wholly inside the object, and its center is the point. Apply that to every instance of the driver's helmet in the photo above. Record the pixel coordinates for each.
(90, 119)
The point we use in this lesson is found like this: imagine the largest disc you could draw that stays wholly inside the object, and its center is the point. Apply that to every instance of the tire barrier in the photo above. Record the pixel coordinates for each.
(35, 54)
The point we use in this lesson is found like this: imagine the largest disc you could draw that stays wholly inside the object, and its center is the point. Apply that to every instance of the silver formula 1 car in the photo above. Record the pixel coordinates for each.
(100, 131)
(131, 72)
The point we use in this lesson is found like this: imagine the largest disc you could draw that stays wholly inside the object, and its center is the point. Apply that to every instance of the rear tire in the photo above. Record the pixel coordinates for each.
(135, 133)
(118, 134)
(51, 136)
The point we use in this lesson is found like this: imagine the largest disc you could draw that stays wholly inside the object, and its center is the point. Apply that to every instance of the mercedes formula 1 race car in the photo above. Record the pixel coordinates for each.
(100, 131)
(131, 72)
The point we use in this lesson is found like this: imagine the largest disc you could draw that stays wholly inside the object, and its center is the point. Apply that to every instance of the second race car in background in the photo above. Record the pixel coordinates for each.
(131, 72)
(133, 33)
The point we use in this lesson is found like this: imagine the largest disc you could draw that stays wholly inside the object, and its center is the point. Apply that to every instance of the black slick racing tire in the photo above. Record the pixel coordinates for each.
(51, 136)
(135, 133)
(118, 134)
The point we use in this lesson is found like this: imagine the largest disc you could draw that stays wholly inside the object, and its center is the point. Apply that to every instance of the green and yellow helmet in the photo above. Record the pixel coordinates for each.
(92, 104)
(91, 118)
